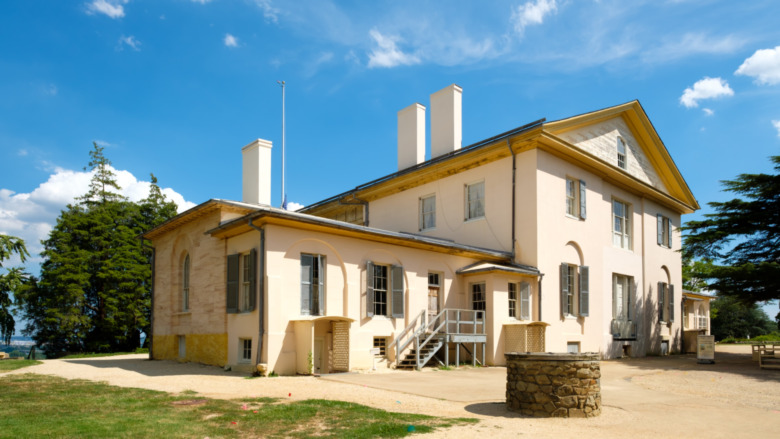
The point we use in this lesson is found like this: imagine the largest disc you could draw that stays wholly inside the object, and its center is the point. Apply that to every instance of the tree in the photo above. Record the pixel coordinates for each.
(9, 283)
(742, 236)
(94, 293)
(730, 317)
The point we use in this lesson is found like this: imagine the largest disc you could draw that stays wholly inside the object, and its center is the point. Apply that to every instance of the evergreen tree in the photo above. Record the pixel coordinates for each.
(729, 317)
(9, 283)
(93, 294)
(742, 236)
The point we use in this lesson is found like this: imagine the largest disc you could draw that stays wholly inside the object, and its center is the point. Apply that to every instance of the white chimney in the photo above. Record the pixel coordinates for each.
(411, 136)
(446, 126)
(257, 172)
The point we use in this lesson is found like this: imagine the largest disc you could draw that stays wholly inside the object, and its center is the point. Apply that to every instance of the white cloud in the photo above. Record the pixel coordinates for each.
(230, 41)
(270, 13)
(203, 2)
(112, 8)
(387, 54)
(707, 111)
(764, 66)
(681, 46)
(776, 124)
(31, 216)
(130, 42)
(531, 13)
(293, 206)
(22, 152)
(707, 88)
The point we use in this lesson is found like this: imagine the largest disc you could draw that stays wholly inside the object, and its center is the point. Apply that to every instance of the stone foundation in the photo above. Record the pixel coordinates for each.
(553, 385)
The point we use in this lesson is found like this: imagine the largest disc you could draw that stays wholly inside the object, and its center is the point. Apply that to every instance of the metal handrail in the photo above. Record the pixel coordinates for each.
(399, 342)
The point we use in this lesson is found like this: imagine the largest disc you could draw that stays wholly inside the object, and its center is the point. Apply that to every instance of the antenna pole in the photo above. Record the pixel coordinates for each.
(281, 83)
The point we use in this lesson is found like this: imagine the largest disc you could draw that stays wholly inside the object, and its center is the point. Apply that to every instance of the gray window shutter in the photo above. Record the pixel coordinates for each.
(321, 290)
(253, 280)
(232, 283)
(669, 227)
(525, 301)
(660, 222)
(398, 290)
(584, 291)
(660, 301)
(369, 289)
(582, 200)
(671, 303)
(306, 275)
(564, 288)
(629, 299)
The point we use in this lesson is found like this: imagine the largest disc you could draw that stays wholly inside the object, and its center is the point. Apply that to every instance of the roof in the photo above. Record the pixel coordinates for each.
(199, 211)
(488, 267)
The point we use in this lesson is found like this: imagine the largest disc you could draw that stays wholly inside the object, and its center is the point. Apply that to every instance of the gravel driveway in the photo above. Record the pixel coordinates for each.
(650, 397)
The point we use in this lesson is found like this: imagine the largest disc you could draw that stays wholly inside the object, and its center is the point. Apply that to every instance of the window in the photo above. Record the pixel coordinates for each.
(621, 227)
(475, 200)
(575, 198)
(575, 297)
(621, 152)
(621, 297)
(182, 347)
(664, 231)
(185, 284)
(381, 344)
(313, 284)
(665, 302)
(573, 347)
(434, 286)
(384, 295)
(520, 308)
(241, 282)
(478, 296)
(428, 212)
(245, 350)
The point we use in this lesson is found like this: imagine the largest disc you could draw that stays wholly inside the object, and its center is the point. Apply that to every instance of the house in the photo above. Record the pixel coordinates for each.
(696, 317)
(555, 236)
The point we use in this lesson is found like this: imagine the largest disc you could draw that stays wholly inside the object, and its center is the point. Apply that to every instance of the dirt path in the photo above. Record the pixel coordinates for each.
(651, 397)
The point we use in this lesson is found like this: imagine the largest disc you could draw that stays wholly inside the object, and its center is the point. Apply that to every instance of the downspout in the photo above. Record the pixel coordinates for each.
(363, 203)
(644, 280)
(514, 172)
(261, 299)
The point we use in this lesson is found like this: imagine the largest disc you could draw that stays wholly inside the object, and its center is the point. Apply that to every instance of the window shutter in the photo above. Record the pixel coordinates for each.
(669, 236)
(564, 288)
(584, 291)
(321, 289)
(232, 283)
(660, 301)
(671, 303)
(253, 280)
(398, 290)
(660, 225)
(615, 281)
(629, 298)
(582, 200)
(369, 289)
(525, 301)
(306, 275)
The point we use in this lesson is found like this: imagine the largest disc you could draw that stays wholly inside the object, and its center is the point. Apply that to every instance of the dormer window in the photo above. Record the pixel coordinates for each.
(621, 153)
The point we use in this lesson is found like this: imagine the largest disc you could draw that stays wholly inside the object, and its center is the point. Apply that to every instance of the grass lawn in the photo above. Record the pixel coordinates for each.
(36, 405)
(8, 365)
(104, 354)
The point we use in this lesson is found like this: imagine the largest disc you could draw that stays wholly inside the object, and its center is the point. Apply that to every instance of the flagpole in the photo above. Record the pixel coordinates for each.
(281, 83)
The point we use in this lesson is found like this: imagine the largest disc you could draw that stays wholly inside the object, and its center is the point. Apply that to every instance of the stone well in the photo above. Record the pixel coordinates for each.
(553, 384)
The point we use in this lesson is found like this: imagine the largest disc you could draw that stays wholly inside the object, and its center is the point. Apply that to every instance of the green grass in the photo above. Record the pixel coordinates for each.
(104, 354)
(8, 365)
(35, 405)
(775, 336)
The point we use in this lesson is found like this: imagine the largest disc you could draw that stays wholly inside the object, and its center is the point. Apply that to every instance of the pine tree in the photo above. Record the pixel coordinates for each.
(93, 294)
(742, 238)
(9, 283)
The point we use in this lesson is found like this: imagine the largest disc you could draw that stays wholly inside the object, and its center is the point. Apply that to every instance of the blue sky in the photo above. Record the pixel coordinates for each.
(177, 87)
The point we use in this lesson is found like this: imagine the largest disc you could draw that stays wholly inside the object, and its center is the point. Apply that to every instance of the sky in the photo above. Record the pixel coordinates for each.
(177, 87)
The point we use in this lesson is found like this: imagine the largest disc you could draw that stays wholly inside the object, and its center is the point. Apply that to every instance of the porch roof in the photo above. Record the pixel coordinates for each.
(490, 267)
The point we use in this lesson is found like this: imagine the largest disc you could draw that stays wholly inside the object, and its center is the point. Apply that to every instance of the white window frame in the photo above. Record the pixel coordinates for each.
(478, 296)
(622, 309)
(512, 293)
(245, 284)
(428, 217)
(185, 284)
(378, 268)
(244, 350)
(572, 197)
(520, 300)
(572, 290)
(316, 280)
(479, 203)
(621, 238)
(622, 156)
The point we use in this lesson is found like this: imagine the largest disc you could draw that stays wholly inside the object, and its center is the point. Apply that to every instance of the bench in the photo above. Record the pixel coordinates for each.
(766, 355)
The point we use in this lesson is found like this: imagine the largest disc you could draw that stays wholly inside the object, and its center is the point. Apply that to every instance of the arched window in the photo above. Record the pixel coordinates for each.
(185, 284)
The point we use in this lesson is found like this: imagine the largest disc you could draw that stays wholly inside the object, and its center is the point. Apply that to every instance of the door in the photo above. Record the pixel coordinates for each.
(434, 287)
(317, 360)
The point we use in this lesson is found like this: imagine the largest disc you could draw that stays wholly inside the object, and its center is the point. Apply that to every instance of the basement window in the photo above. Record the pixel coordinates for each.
(381, 344)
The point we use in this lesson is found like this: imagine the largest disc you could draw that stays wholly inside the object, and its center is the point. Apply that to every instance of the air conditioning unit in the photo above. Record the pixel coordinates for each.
(623, 330)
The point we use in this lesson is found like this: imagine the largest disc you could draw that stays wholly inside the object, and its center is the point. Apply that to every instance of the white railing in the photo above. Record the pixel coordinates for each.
(402, 340)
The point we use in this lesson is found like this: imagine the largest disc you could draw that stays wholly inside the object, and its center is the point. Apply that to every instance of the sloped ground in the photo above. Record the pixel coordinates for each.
(651, 397)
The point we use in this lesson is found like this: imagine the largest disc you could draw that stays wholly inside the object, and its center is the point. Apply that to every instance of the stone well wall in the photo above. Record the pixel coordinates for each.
(553, 385)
